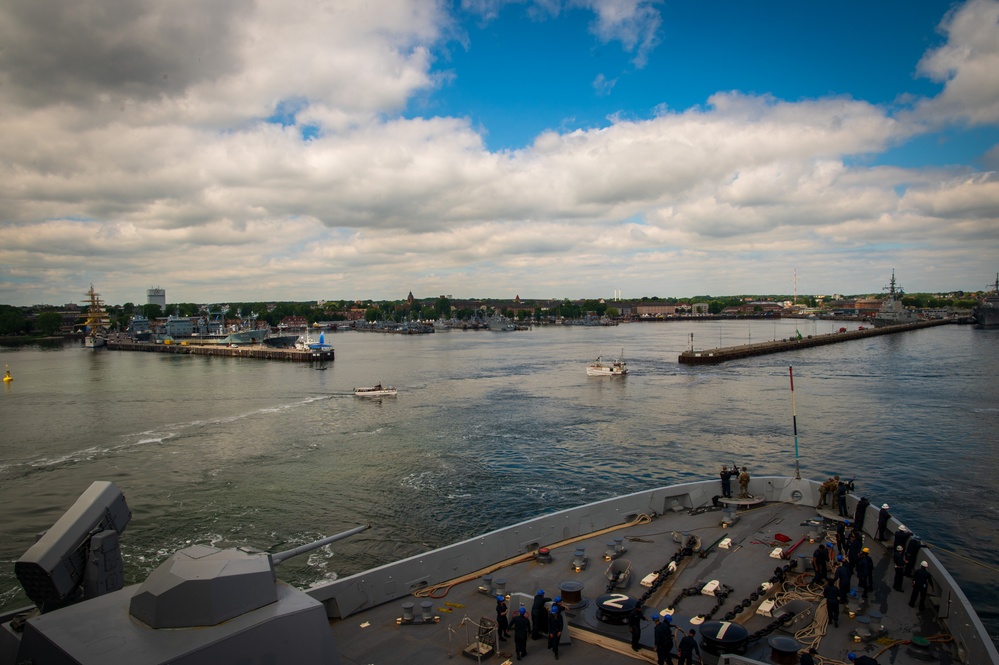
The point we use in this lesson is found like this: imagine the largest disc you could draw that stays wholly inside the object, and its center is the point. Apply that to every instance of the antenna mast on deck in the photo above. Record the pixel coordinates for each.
(794, 422)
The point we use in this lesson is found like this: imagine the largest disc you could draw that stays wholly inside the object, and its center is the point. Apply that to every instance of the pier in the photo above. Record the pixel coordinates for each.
(723, 354)
(256, 351)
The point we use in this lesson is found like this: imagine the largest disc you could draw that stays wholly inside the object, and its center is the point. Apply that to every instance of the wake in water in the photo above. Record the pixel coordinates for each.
(131, 443)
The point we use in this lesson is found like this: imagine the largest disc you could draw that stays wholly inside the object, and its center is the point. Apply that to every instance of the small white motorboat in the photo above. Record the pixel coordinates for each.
(376, 391)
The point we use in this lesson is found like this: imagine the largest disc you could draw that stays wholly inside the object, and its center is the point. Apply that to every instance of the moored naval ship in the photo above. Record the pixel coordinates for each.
(892, 312)
(986, 312)
(733, 572)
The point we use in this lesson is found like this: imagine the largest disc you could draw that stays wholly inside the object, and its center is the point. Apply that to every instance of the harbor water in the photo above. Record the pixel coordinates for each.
(489, 429)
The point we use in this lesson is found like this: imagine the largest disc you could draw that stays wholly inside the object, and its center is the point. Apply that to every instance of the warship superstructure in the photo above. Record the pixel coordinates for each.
(892, 312)
(986, 312)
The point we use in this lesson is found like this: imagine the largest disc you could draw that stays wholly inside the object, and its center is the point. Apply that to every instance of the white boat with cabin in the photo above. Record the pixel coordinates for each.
(376, 391)
(601, 367)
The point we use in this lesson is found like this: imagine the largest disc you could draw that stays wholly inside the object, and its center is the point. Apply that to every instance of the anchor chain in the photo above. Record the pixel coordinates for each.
(780, 574)
(663, 573)
(774, 625)
(720, 595)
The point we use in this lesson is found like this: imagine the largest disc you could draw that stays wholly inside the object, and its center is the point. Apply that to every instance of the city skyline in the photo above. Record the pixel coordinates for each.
(547, 149)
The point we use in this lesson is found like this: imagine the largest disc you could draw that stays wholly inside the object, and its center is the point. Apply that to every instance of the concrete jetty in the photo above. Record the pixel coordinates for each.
(723, 354)
(256, 351)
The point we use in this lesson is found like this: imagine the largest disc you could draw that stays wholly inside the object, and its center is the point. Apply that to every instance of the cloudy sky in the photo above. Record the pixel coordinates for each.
(241, 150)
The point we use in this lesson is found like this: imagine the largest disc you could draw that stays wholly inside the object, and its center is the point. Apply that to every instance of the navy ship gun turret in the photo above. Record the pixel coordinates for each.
(201, 605)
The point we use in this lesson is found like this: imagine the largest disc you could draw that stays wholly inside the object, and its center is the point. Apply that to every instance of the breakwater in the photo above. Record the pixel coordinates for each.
(723, 354)
(257, 352)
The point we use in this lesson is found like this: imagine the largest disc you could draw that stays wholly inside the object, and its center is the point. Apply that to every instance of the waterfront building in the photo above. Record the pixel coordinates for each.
(867, 307)
(655, 310)
(699, 309)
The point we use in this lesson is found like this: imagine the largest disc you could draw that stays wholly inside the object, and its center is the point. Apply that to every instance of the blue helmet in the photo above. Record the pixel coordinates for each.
(554, 610)
(522, 610)
(851, 656)
(839, 557)
(541, 592)
(500, 597)
(558, 599)
(847, 522)
(669, 617)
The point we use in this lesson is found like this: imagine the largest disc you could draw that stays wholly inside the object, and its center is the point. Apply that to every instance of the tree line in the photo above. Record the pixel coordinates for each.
(48, 321)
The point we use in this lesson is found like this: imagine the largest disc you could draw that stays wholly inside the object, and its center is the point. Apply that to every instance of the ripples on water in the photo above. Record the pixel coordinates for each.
(489, 429)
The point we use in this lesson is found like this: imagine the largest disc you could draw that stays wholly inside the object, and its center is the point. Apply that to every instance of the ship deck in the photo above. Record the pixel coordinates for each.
(881, 626)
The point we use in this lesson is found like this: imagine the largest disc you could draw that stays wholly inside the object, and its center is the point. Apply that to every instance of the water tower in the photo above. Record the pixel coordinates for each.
(156, 296)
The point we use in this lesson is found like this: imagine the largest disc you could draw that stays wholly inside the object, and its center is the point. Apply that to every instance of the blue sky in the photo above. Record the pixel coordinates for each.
(492, 148)
(519, 76)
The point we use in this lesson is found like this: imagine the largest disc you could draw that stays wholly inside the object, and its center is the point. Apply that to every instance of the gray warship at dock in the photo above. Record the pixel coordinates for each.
(733, 570)
(986, 312)
(892, 312)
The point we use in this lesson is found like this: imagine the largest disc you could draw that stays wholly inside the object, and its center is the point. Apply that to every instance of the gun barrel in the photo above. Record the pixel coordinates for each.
(302, 549)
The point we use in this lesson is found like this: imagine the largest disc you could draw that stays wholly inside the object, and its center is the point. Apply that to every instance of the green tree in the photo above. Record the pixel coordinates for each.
(120, 315)
(48, 323)
(152, 311)
(613, 312)
(569, 309)
(443, 307)
(182, 308)
(12, 322)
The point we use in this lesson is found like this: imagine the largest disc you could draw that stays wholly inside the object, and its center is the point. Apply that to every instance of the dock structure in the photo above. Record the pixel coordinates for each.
(255, 351)
(723, 354)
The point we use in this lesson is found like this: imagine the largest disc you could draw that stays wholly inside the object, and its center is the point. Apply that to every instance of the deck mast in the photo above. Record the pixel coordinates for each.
(794, 423)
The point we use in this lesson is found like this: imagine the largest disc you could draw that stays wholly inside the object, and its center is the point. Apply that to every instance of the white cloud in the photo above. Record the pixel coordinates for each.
(634, 23)
(603, 86)
(968, 65)
(130, 180)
